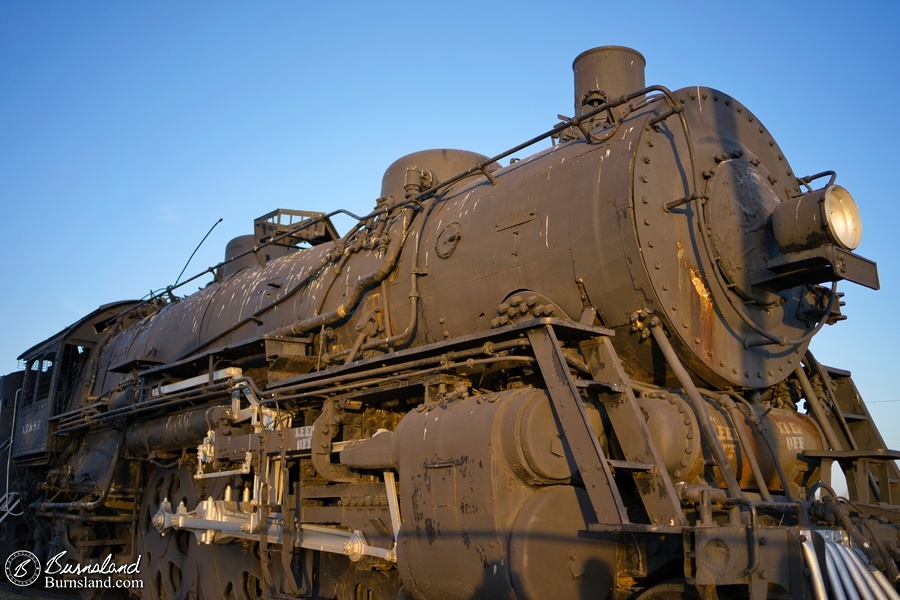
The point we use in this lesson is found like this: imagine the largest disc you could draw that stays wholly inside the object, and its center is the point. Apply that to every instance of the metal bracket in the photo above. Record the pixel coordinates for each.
(579, 435)
(828, 263)
(326, 428)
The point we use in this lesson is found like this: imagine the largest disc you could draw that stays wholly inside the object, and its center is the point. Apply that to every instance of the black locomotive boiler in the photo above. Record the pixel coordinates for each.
(582, 374)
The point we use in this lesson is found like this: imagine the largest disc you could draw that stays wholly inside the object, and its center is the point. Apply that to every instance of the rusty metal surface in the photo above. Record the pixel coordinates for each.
(734, 150)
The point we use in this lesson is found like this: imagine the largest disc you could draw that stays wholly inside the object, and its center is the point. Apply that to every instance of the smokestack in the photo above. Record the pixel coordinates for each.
(606, 73)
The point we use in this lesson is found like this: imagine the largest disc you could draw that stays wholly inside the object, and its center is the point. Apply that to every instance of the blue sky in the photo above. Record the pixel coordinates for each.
(128, 128)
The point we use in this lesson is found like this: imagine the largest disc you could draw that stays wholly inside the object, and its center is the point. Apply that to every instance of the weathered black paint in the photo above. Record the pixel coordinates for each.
(575, 375)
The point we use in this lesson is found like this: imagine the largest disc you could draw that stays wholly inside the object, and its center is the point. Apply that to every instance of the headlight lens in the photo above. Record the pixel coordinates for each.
(842, 216)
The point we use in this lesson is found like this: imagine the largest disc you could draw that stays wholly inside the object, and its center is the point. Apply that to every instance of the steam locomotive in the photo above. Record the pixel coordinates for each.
(582, 374)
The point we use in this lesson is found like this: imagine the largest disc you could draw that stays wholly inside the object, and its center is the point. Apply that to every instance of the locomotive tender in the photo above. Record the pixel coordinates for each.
(584, 374)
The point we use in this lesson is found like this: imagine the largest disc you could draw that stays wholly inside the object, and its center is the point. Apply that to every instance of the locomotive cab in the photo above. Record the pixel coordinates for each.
(54, 383)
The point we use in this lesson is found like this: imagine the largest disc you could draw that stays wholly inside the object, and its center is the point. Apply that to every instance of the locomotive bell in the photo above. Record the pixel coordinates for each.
(606, 73)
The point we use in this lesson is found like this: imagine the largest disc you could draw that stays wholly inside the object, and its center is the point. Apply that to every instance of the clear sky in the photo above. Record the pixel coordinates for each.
(128, 128)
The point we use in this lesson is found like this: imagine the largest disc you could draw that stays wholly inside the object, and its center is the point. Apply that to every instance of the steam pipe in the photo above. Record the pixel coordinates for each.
(703, 419)
(762, 432)
(387, 265)
(838, 570)
(818, 409)
(885, 585)
(388, 330)
(889, 563)
(296, 391)
(812, 563)
(843, 516)
(837, 512)
(736, 417)
(441, 368)
(208, 394)
(284, 297)
(858, 574)
(359, 341)
(413, 297)
(394, 339)
(87, 518)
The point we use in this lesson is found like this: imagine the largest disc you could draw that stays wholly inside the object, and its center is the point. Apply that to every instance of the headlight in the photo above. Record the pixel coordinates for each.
(826, 216)
(842, 217)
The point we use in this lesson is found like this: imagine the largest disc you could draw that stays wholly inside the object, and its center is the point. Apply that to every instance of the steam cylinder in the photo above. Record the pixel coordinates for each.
(481, 527)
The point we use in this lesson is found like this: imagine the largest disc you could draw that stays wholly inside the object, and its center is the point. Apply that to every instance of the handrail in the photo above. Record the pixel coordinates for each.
(416, 199)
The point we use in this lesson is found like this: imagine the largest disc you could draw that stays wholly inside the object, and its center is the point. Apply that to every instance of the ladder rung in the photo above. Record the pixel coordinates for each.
(873, 454)
(629, 465)
(855, 417)
(615, 388)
